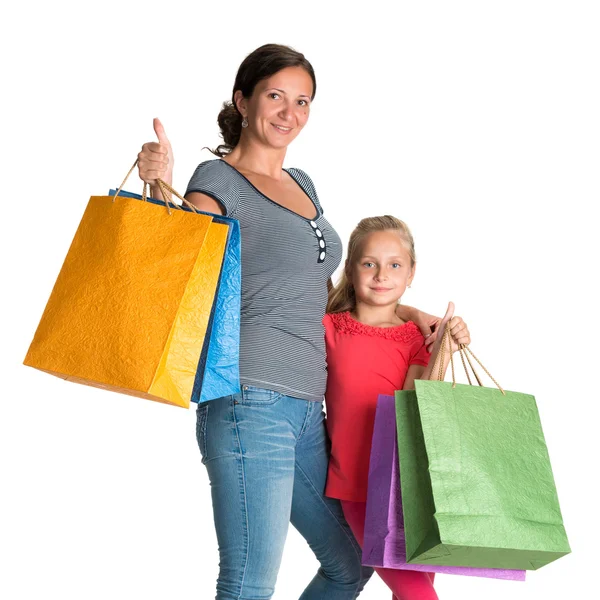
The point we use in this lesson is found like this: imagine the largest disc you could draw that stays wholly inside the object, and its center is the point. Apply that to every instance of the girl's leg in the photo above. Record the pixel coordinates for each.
(405, 585)
(248, 446)
(320, 520)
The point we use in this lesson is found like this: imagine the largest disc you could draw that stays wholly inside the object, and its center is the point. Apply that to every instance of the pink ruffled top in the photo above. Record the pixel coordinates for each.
(362, 362)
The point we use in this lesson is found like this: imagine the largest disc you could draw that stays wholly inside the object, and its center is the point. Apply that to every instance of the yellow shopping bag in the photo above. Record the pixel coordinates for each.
(131, 305)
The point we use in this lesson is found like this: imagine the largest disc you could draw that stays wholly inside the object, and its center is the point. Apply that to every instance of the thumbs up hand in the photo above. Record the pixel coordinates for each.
(459, 332)
(155, 161)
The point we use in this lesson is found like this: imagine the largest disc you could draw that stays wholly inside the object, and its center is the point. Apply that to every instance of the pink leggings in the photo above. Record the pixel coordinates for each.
(406, 585)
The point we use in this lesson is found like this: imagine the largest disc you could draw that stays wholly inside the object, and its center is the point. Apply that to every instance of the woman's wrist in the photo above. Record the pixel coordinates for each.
(406, 313)
(156, 190)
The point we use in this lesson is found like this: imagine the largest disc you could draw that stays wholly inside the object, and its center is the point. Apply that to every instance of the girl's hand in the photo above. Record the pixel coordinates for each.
(435, 370)
(459, 332)
(155, 161)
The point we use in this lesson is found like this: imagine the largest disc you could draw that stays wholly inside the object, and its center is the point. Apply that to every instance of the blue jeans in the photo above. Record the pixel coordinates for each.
(266, 456)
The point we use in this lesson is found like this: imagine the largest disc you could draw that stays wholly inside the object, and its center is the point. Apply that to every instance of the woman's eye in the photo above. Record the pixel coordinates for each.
(302, 102)
(274, 95)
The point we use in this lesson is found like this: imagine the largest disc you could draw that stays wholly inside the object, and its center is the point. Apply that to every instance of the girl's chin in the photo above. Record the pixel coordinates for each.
(378, 301)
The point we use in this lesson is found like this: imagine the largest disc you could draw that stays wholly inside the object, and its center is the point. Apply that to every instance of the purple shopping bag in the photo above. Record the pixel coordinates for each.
(383, 544)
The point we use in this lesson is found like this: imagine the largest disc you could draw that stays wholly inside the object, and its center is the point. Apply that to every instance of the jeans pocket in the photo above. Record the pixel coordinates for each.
(201, 419)
(253, 396)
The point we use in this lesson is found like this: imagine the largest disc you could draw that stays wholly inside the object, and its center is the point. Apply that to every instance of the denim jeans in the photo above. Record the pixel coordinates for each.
(266, 456)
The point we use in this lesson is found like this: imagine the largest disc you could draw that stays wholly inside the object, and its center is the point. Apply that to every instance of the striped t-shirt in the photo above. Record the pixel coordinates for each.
(286, 262)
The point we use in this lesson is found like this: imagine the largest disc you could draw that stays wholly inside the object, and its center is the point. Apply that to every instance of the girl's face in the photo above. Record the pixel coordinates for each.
(279, 107)
(382, 269)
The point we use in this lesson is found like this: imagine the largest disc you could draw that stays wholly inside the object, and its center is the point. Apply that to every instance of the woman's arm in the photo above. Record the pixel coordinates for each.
(428, 324)
(205, 203)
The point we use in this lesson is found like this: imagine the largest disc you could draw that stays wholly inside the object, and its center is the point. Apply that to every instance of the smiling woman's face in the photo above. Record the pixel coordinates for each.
(278, 108)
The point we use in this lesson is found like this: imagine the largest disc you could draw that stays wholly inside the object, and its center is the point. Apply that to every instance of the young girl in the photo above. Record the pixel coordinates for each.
(370, 351)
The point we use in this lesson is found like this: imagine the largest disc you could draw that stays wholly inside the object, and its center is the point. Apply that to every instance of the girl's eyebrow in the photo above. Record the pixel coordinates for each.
(398, 258)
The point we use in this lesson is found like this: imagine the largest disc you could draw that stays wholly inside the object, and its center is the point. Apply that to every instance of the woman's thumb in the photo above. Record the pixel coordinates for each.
(160, 132)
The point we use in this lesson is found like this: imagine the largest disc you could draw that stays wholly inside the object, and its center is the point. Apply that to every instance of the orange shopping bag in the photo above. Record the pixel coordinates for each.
(131, 305)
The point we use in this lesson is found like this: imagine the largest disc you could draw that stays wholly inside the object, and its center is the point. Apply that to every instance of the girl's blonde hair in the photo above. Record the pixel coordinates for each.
(342, 297)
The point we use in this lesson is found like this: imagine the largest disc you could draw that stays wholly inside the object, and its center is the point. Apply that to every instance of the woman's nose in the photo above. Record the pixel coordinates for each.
(285, 112)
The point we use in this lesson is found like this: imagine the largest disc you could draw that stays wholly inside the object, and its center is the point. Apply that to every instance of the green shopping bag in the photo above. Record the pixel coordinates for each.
(477, 485)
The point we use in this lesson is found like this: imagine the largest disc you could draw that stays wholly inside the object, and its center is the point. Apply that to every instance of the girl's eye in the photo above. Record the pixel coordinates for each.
(396, 265)
(368, 264)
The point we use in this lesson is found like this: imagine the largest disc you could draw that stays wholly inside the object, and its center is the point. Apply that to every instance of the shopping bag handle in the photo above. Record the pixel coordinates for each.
(164, 188)
(464, 351)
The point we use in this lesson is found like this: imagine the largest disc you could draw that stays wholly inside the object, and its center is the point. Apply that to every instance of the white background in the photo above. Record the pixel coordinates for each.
(478, 123)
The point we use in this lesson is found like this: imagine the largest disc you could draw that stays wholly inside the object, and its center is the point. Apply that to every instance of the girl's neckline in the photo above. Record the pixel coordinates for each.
(345, 323)
(308, 220)
(374, 326)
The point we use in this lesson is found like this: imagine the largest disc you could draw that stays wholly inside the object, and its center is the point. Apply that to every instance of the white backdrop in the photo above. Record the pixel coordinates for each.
(476, 122)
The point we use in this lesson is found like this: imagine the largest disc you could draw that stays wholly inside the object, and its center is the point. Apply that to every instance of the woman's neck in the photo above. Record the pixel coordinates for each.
(252, 157)
(377, 316)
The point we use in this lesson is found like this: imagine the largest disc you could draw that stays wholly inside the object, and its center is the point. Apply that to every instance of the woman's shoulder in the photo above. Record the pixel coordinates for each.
(303, 179)
(207, 168)
(300, 174)
(212, 165)
(216, 179)
(344, 323)
(305, 182)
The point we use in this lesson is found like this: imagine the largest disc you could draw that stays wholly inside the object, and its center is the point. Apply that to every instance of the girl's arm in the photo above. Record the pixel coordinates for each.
(459, 334)
(419, 372)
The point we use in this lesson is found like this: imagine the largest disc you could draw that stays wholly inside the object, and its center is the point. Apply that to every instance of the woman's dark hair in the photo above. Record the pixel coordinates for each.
(262, 63)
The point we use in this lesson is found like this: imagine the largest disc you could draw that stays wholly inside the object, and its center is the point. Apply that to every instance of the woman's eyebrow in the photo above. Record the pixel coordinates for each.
(283, 92)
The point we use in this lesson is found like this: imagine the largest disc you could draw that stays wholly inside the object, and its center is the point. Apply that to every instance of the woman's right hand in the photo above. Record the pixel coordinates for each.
(155, 161)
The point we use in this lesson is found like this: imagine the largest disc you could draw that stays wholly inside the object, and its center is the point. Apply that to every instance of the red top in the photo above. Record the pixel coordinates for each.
(362, 362)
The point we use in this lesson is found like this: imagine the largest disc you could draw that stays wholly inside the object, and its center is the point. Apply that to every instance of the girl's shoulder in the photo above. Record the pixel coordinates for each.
(344, 323)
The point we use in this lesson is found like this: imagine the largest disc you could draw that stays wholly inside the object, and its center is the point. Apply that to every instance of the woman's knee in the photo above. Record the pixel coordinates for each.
(345, 568)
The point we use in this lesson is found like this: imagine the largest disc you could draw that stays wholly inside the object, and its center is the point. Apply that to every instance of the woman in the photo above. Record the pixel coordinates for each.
(265, 448)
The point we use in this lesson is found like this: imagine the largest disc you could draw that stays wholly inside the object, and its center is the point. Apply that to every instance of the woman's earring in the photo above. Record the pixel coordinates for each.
(245, 122)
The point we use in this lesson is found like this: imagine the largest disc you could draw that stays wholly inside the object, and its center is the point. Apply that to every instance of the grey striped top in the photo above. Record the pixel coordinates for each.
(286, 262)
